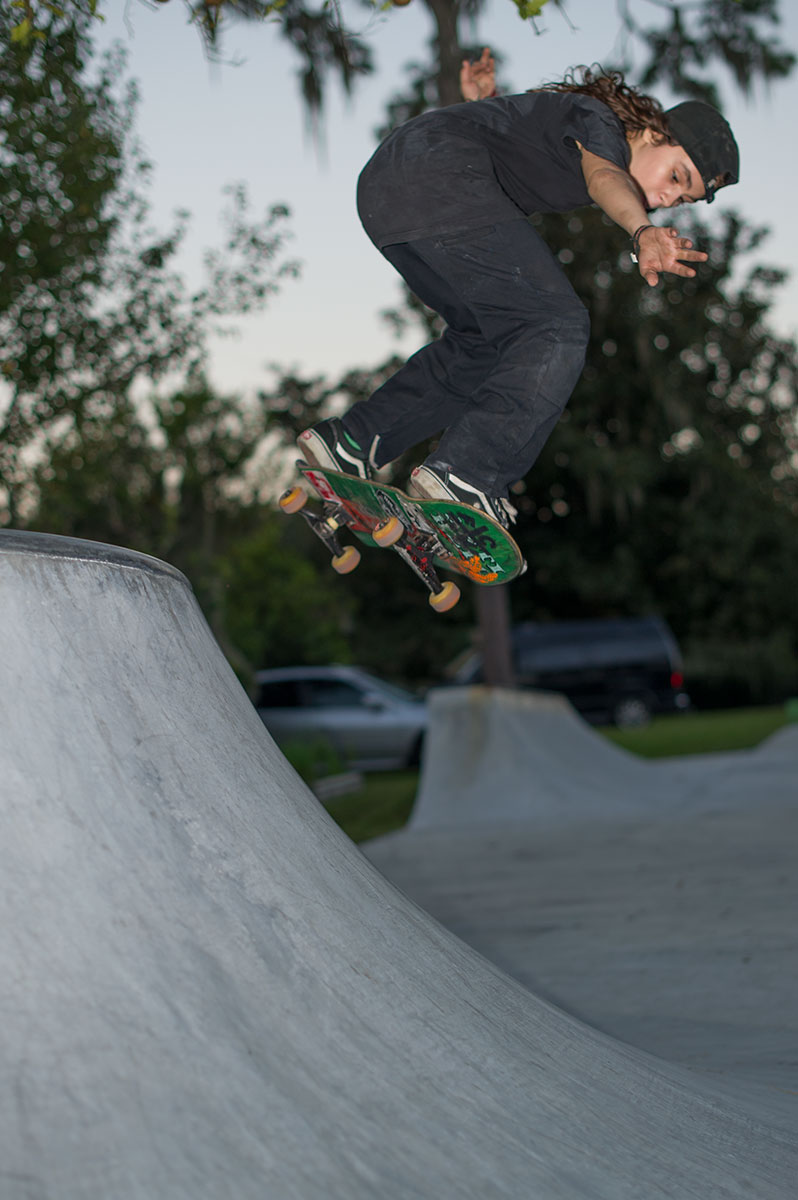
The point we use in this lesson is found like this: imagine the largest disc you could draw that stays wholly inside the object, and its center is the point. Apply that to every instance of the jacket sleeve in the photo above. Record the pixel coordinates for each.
(593, 125)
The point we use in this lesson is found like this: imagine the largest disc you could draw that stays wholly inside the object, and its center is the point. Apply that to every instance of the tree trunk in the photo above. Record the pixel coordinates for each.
(493, 609)
(493, 604)
(446, 14)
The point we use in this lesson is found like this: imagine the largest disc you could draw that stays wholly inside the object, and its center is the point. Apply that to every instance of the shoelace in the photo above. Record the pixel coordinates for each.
(510, 509)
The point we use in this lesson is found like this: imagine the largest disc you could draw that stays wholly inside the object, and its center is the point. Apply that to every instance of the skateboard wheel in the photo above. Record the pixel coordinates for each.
(389, 532)
(446, 598)
(292, 500)
(346, 562)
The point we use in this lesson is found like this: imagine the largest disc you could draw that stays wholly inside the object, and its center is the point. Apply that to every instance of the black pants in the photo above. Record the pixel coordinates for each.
(501, 374)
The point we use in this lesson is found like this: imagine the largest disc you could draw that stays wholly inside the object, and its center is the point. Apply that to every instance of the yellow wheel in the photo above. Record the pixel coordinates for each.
(446, 598)
(346, 562)
(292, 500)
(389, 532)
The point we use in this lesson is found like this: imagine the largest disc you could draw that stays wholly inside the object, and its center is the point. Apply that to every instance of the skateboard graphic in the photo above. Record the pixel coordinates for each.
(427, 534)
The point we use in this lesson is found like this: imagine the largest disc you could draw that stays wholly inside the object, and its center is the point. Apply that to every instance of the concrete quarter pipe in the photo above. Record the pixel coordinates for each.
(206, 989)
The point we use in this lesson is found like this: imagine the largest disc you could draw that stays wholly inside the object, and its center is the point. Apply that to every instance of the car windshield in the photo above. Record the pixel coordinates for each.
(391, 689)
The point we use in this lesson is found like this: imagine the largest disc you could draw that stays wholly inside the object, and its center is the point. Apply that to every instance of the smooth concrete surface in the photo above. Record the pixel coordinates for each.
(494, 758)
(208, 991)
(664, 914)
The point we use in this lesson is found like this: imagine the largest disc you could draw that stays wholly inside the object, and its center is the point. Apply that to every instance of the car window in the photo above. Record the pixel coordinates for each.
(282, 693)
(391, 689)
(331, 693)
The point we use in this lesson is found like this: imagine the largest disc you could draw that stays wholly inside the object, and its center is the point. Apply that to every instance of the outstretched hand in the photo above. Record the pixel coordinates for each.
(478, 79)
(662, 249)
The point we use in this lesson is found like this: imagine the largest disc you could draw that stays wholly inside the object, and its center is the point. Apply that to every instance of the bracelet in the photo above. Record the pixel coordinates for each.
(636, 241)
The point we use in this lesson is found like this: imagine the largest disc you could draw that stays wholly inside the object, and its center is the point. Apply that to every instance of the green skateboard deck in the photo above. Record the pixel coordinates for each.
(430, 534)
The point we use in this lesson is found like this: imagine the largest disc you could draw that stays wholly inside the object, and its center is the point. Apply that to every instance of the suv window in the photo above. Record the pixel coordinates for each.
(283, 693)
(331, 693)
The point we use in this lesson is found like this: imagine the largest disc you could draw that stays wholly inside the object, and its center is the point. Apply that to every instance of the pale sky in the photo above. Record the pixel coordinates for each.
(205, 125)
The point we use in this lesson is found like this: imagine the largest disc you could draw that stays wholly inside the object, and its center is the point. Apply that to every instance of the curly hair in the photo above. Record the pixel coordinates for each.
(633, 108)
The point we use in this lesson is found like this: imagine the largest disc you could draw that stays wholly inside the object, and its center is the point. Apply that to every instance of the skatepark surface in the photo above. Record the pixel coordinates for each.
(208, 991)
(657, 901)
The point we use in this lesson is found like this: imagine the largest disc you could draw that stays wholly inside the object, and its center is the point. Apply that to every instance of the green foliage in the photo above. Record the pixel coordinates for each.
(33, 17)
(313, 759)
(283, 605)
(174, 478)
(392, 628)
(529, 9)
(100, 479)
(56, 220)
(382, 805)
(89, 300)
(669, 485)
(684, 40)
(91, 308)
(698, 36)
(728, 670)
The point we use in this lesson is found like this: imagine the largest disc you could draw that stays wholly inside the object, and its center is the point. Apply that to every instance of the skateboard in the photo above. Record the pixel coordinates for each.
(428, 534)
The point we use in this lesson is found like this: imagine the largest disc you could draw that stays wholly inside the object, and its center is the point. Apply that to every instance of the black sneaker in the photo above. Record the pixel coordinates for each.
(438, 483)
(329, 445)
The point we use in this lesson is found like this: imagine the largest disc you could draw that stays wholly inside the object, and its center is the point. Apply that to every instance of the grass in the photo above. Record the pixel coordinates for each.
(382, 805)
(700, 733)
(385, 801)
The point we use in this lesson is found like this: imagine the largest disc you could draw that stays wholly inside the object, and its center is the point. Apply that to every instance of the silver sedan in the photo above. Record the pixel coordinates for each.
(371, 724)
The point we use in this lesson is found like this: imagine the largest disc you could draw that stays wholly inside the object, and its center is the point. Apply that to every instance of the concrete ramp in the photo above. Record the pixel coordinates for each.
(207, 991)
(495, 759)
(655, 901)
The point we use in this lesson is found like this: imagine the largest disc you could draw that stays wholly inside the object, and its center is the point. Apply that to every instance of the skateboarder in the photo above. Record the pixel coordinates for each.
(445, 198)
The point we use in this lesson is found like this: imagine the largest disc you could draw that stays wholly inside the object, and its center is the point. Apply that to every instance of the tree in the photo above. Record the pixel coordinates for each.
(89, 299)
(694, 39)
(390, 614)
(699, 34)
(636, 482)
(176, 476)
(671, 483)
(683, 40)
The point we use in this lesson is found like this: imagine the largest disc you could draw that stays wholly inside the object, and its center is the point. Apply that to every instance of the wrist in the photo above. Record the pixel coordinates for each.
(636, 240)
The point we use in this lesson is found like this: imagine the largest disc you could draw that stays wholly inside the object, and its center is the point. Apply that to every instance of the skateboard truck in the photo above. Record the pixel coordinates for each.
(418, 551)
(325, 527)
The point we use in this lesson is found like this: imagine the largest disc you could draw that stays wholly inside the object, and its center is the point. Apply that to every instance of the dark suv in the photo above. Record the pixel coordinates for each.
(617, 672)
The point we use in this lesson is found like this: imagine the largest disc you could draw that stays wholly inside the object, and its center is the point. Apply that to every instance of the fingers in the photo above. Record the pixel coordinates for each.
(668, 252)
(668, 268)
(677, 263)
(485, 61)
